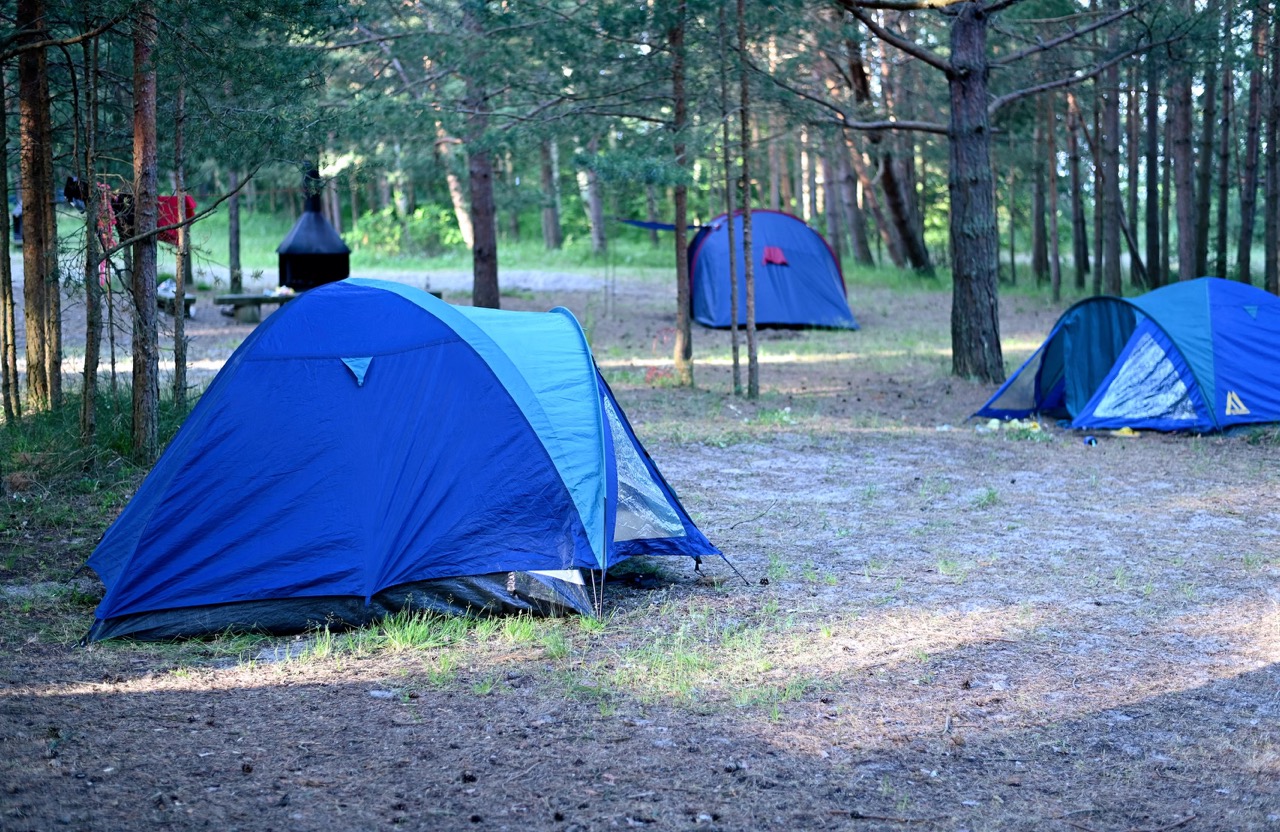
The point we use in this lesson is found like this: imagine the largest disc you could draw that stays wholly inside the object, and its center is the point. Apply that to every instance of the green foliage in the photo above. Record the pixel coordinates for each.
(428, 232)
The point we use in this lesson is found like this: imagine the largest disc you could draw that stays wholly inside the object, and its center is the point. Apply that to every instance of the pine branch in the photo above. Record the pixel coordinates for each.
(1069, 36)
(902, 44)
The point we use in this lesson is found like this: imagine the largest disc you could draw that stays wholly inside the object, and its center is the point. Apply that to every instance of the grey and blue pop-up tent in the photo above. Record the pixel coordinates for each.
(1200, 355)
(797, 276)
(371, 448)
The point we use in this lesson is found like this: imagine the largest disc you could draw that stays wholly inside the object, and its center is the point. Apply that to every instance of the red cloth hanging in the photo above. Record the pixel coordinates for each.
(169, 216)
(774, 255)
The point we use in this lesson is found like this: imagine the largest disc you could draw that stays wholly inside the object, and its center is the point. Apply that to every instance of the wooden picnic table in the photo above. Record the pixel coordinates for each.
(247, 309)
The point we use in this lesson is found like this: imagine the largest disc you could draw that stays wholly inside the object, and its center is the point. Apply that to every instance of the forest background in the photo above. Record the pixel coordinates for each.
(1125, 144)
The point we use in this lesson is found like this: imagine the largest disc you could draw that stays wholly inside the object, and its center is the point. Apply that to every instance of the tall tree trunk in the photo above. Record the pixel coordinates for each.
(1166, 191)
(730, 185)
(10, 395)
(775, 168)
(831, 200)
(233, 233)
(855, 219)
(1204, 168)
(593, 201)
(1110, 167)
(1099, 192)
(146, 371)
(457, 194)
(183, 258)
(1055, 254)
(895, 197)
(1184, 172)
(1039, 232)
(93, 199)
(887, 230)
(484, 214)
(975, 313)
(1133, 131)
(1253, 124)
(35, 141)
(683, 350)
(552, 236)
(1224, 140)
(1155, 277)
(748, 263)
(1013, 227)
(1271, 219)
(1079, 229)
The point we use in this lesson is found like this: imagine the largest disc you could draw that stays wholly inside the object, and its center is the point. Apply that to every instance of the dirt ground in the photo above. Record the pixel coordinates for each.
(935, 628)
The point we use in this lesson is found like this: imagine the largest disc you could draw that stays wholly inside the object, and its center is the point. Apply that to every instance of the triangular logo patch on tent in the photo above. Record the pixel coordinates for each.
(1253, 311)
(1235, 407)
(358, 368)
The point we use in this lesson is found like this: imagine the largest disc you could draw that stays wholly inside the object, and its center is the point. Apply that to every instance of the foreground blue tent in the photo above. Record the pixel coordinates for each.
(1200, 355)
(371, 448)
(798, 278)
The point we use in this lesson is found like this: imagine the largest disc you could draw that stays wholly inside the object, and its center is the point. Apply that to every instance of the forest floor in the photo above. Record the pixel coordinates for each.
(939, 628)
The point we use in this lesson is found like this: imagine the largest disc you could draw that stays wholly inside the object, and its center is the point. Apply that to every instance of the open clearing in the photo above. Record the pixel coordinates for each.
(939, 629)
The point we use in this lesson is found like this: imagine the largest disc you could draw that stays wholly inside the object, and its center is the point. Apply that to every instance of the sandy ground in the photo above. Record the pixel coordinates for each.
(939, 628)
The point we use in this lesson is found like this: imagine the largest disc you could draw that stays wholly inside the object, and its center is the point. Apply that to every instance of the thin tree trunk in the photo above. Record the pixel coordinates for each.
(775, 168)
(1166, 191)
(1039, 232)
(1100, 195)
(887, 231)
(1271, 219)
(748, 264)
(233, 233)
(9, 392)
(183, 258)
(1013, 228)
(552, 237)
(1133, 130)
(855, 219)
(1224, 140)
(1155, 277)
(457, 194)
(975, 314)
(831, 201)
(1253, 125)
(730, 186)
(593, 201)
(93, 198)
(1204, 168)
(1055, 254)
(917, 254)
(1184, 173)
(1110, 167)
(484, 225)
(651, 211)
(146, 387)
(683, 350)
(1079, 229)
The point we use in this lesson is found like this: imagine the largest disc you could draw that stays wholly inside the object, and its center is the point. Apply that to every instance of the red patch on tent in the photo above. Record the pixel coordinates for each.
(774, 255)
(169, 216)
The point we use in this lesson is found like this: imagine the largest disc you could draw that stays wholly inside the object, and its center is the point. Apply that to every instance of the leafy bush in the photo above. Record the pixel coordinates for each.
(429, 230)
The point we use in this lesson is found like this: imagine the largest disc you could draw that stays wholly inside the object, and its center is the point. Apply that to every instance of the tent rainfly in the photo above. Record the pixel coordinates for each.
(798, 278)
(1200, 355)
(370, 448)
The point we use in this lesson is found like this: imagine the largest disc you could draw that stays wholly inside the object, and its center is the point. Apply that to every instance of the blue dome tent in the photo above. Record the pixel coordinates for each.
(798, 278)
(370, 448)
(1200, 355)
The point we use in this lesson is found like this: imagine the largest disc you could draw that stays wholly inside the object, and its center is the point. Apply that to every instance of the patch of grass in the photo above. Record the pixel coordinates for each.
(773, 417)
(778, 568)
(988, 498)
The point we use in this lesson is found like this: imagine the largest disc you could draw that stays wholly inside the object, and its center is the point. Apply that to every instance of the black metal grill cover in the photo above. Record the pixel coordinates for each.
(313, 253)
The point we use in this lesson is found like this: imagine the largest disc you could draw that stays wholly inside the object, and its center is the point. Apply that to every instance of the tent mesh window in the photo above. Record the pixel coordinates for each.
(643, 511)
(1147, 387)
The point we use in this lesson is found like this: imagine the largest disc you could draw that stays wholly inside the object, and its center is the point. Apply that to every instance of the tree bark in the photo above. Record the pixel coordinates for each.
(683, 350)
(233, 233)
(831, 201)
(1271, 219)
(975, 315)
(183, 257)
(10, 395)
(93, 199)
(1079, 228)
(39, 248)
(146, 372)
(1133, 132)
(748, 264)
(1204, 168)
(1039, 232)
(457, 194)
(1224, 140)
(730, 185)
(1110, 168)
(1184, 173)
(552, 237)
(855, 219)
(484, 220)
(593, 201)
(887, 230)
(1249, 163)
(1055, 255)
(651, 212)
(1155, 277)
